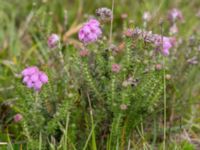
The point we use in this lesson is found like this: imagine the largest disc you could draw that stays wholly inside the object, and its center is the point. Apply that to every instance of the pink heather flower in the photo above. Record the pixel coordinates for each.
(34, 78)
(158, 66)
(29, 71)
(146, 16)
(29, 84)
(37, 85)
(17, 118)
(53, 40)
(173, 29)
(124, 16)
(163, 44)
(129, 33)
(43, 77)
(123, 106)
(116, 68)
(84, 53)
(174, 15)
(25, 79)
(104, 14)
(90, 31)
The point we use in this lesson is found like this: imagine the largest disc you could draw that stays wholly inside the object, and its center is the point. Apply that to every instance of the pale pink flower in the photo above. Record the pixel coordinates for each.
(53, 40)
(164, 44)
(158, 66)
(84, 53)
(116, 68)
(173, 29)
(124, 15)
(17, 118)
(129, 32)
(43, 77)
(146, 16)
(174, 15)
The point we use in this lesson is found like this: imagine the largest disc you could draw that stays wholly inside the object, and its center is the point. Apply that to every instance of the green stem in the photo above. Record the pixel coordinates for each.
(111, 22)
(165, 105)
(61, 59)
(128, 51)
(113, 89)
(94, 147)
(90, 80)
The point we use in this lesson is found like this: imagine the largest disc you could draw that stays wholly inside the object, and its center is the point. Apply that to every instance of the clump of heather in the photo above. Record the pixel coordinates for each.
(117, 79)
(100, 95)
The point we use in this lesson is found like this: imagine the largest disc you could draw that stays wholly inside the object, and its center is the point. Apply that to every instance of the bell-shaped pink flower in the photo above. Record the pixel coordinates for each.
(116, 68)
(43, 77)
(174, 15)
(173, 29)
(164, 44)
(34, 78)
(90, 32)
(53, 40)
(17, 118)
(84, 53)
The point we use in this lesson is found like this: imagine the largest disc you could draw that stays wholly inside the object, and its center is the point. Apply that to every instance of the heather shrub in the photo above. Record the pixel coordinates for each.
(106, 83)
(118, 86)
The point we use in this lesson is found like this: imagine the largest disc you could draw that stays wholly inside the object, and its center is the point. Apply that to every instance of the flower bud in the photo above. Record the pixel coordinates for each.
(116, 68)
(53, 40)
(18, 118)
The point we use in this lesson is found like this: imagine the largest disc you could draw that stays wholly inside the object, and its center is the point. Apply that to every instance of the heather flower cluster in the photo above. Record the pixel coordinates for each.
(104, 14)
(175, 15)
(34, 78)
(90, 31)
(162, 43)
